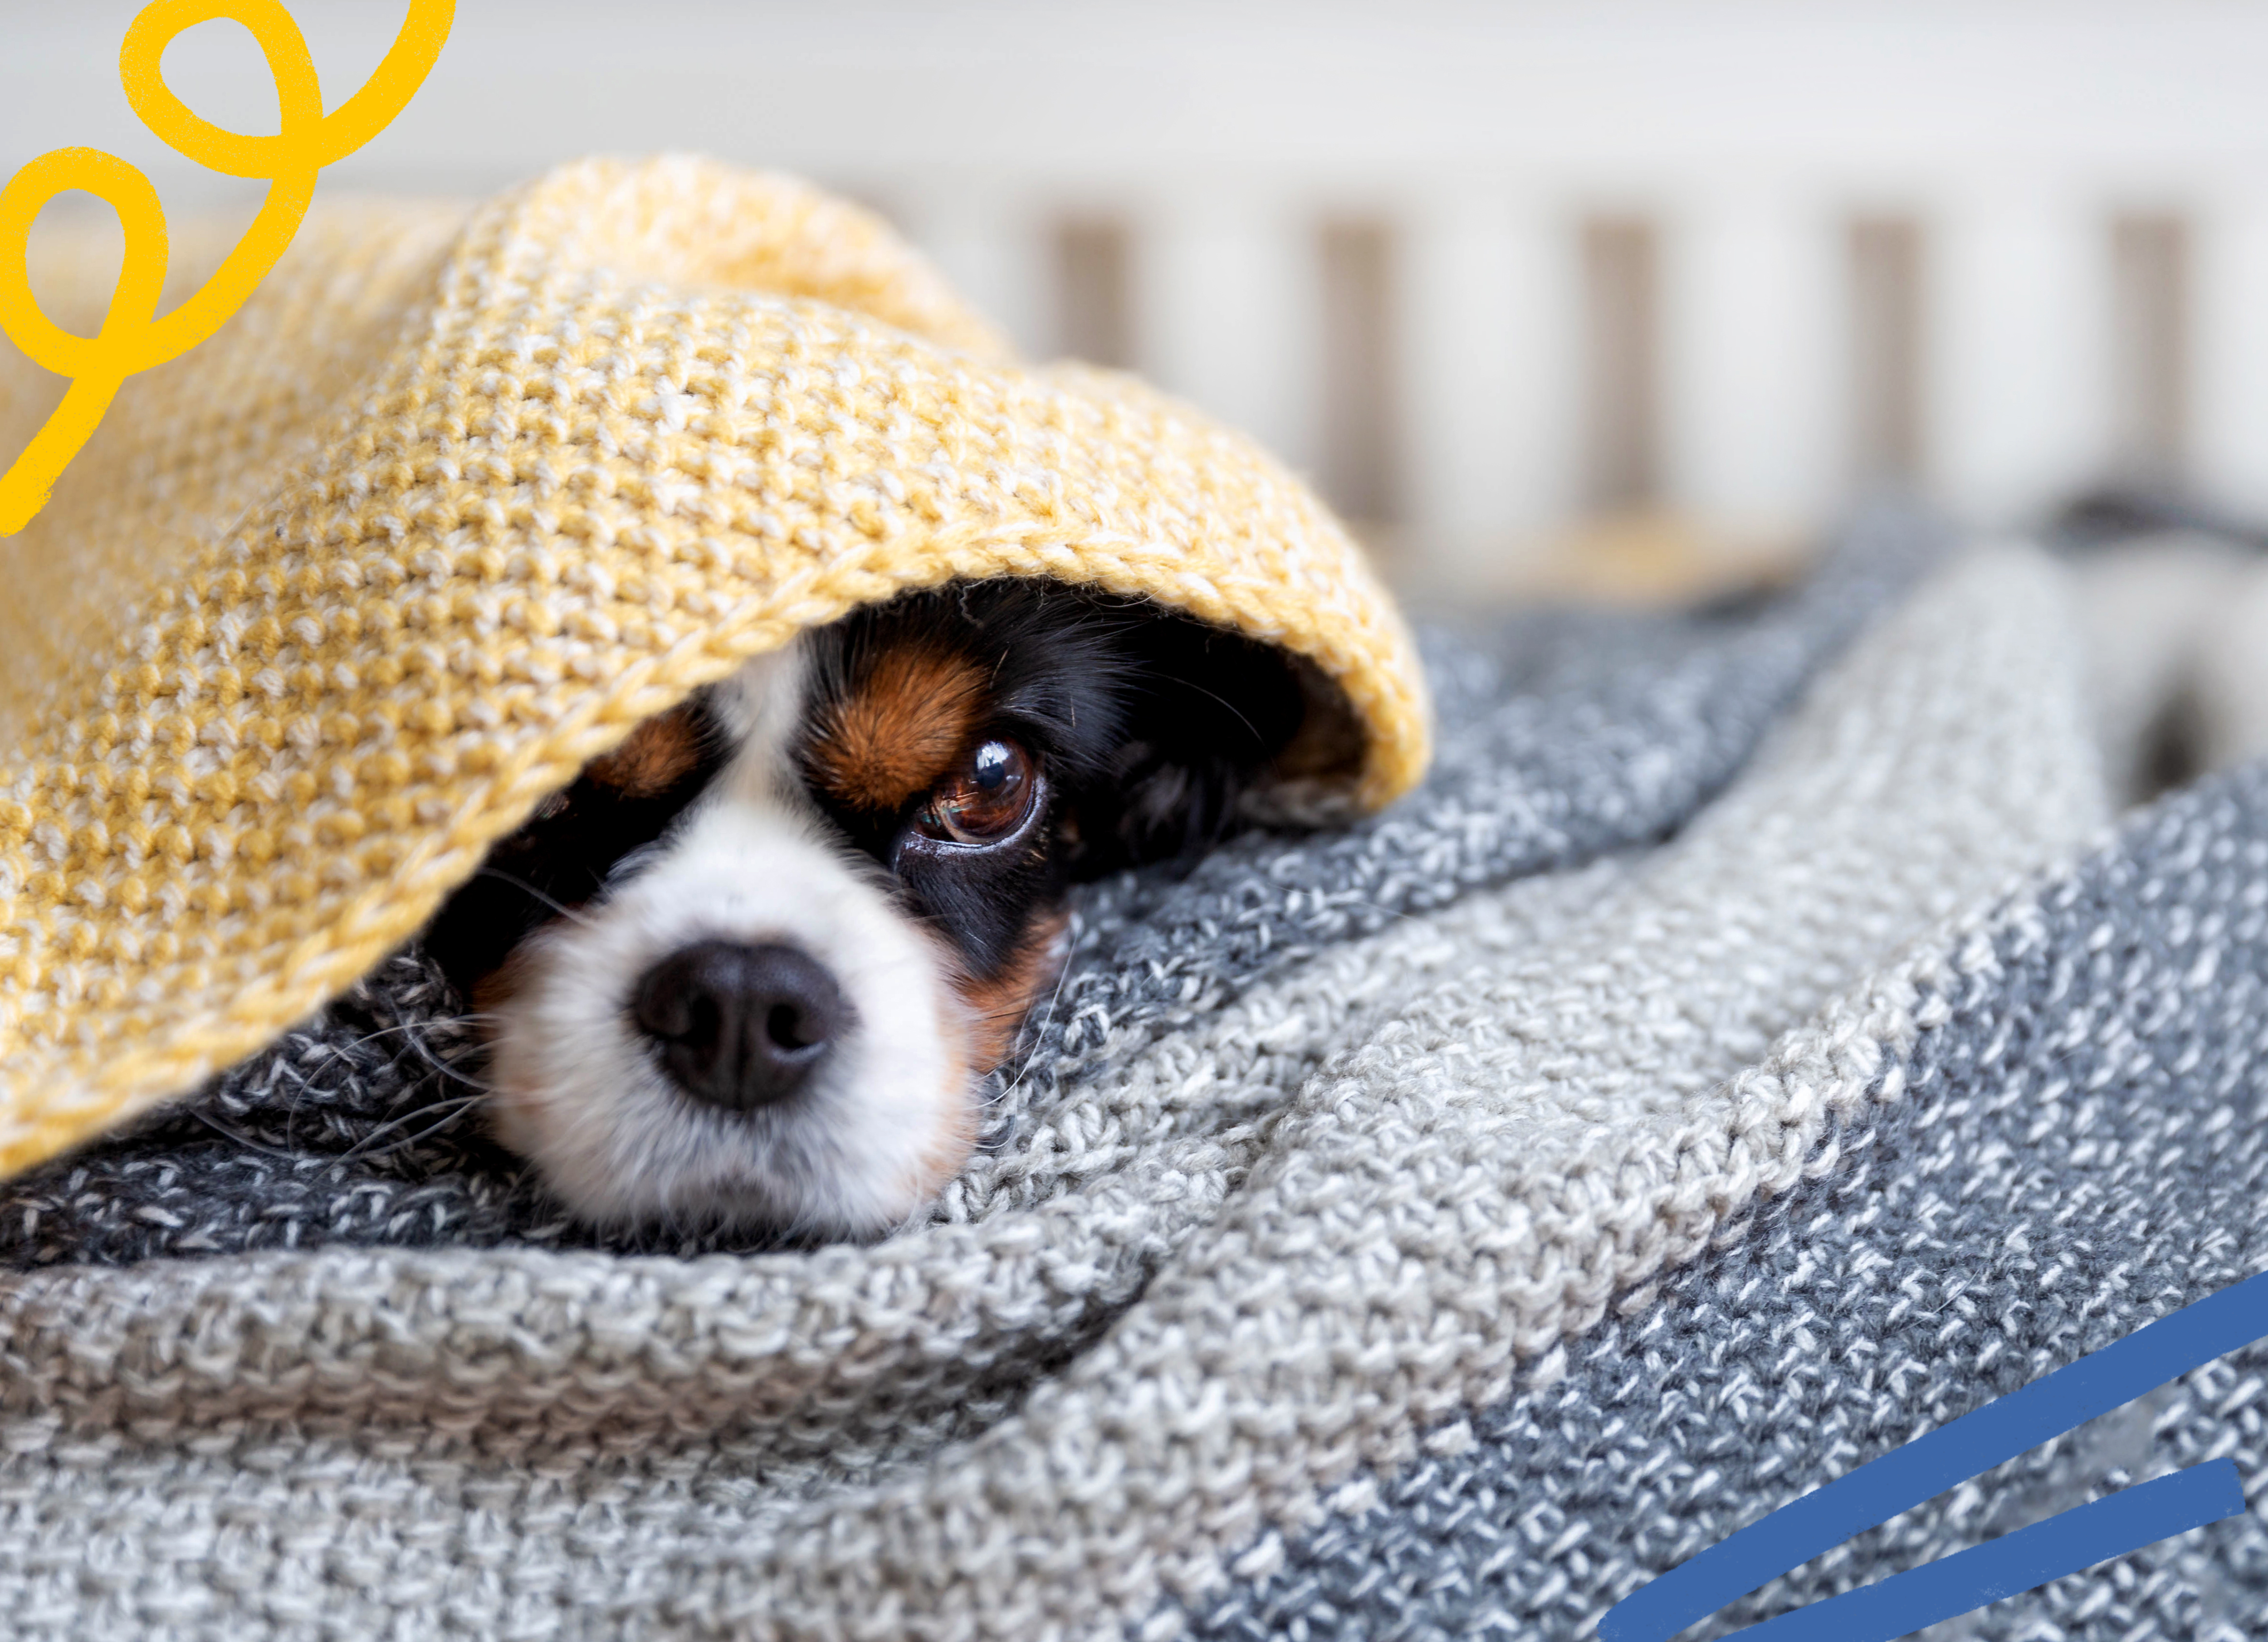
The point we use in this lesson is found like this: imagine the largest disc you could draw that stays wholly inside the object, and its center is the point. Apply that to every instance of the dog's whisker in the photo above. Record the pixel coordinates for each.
(1038, 1034)
(284, 1152)
(1191, 683)
(450, 1111)
(452, 1070)
(534, 894)
(795, 874)
(408, 1028)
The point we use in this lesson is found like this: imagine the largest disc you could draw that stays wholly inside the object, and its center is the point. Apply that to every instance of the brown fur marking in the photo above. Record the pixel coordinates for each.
(660, 753)
(900, 730)
(992, 1014)
(996, 1007)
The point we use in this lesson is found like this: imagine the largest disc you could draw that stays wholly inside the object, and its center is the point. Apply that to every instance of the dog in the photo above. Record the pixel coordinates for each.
(751, 969)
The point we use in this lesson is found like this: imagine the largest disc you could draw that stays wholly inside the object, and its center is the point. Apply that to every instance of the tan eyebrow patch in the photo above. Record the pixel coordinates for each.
(660, 753)
(900, 730)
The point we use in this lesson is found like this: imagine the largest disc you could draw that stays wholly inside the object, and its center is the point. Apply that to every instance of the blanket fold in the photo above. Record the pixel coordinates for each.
(2053, 1136)
(1758, 1041)
(333, 601)
(1564, 735)
(1450, 1266)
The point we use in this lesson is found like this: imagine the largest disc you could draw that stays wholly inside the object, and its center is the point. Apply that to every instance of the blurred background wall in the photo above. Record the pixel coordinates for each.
(1522, 284)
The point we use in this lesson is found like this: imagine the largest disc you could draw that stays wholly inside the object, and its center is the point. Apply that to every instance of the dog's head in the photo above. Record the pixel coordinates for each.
(750, 968)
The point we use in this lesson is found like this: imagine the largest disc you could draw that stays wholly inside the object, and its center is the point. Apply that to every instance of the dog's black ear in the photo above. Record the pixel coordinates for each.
(1204, 713)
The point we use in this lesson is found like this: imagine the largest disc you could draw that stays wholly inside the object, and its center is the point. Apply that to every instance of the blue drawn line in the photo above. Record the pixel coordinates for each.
(2079, 1538)
(1929, 1464)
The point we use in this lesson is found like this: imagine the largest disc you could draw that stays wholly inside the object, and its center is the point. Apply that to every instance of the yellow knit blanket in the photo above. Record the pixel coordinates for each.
(331, 602)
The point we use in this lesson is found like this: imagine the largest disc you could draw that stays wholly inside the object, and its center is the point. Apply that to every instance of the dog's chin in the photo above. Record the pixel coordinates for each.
(866, 1142)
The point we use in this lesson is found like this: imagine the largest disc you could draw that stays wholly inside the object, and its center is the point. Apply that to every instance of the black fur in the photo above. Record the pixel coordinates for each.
(558, 861)
(1203, 712)
(1147, 726)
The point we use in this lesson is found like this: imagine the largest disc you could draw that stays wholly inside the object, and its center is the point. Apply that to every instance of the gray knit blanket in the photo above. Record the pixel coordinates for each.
(1758, 1044)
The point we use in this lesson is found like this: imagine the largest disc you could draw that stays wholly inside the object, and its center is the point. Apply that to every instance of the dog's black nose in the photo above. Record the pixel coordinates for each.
(740, 1026)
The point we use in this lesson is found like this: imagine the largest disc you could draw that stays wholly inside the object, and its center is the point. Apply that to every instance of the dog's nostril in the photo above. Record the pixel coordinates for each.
(740, 1026)
(790, 1027)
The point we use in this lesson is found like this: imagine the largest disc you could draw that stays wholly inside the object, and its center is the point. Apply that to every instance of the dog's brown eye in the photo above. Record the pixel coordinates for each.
(987, 801)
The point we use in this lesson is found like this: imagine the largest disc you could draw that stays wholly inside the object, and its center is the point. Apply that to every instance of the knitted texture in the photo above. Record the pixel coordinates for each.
(2073, 1141)
(1292, 1253)
(331, 602)
(1563, 735)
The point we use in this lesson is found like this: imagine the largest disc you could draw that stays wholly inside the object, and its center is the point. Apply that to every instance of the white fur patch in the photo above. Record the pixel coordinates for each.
(882, 1121)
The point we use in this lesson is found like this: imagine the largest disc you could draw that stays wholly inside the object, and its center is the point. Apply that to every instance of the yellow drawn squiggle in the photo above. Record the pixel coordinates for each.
(133, 337)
